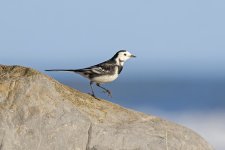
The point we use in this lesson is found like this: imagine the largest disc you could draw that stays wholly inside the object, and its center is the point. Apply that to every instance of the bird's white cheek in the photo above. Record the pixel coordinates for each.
(125, 59)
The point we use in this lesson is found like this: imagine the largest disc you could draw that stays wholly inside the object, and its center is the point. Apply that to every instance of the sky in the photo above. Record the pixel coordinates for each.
(179, 46)
(183, 38)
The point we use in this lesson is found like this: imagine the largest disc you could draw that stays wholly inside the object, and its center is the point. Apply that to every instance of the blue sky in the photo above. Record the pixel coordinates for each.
(177, 43)
(174, 38)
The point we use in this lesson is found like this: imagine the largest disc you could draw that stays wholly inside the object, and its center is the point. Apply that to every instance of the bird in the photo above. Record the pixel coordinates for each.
(104, 72)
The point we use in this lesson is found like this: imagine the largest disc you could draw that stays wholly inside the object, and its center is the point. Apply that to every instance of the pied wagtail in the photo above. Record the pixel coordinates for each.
(104, 72)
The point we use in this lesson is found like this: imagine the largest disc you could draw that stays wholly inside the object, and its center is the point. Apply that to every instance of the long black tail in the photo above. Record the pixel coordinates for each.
(62, 70)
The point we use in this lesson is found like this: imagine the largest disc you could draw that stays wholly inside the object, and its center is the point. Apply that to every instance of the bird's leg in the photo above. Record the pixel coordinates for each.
(93, 94)
(105, 90)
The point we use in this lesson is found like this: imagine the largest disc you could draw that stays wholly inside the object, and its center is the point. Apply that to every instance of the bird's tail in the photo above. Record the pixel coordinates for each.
(62, 70)
(79, 71)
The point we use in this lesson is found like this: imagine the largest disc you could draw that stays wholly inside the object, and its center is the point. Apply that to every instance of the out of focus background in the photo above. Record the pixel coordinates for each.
(179, 72)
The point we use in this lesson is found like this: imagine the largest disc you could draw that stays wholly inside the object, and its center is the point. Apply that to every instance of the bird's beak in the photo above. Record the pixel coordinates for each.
(132, 56)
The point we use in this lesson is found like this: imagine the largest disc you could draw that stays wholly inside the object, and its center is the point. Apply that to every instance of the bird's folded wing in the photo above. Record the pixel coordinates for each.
(101, 69)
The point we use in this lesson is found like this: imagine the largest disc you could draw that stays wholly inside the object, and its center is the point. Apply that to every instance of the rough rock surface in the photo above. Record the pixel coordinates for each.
(39, 113)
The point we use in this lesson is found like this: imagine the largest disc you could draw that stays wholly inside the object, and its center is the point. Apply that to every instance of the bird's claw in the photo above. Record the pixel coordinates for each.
(92, 94)
(108, 92)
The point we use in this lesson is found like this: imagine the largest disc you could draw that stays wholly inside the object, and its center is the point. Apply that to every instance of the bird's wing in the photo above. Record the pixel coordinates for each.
(102, 68)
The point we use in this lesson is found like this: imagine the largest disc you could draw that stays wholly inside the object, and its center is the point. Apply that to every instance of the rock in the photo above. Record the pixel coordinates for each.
(39, 113)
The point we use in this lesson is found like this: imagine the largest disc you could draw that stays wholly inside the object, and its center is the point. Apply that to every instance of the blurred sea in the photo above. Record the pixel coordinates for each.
(167, 95)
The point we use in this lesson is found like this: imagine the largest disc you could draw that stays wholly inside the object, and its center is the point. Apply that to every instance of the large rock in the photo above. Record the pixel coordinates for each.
(39, 113)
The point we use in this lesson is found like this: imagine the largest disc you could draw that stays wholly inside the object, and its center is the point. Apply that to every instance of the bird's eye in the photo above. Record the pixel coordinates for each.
(125, 54)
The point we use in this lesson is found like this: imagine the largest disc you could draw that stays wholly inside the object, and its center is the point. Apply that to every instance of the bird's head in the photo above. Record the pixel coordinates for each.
(121, 56)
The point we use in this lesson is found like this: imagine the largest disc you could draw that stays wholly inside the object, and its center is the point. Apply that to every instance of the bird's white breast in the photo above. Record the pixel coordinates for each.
(106, 78)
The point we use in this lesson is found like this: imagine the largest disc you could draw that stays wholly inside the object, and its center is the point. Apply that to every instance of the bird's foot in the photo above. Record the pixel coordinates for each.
(108, 92)
(92, 94)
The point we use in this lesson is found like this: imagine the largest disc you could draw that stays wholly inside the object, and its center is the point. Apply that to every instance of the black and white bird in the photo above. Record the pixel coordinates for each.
(104, 72)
